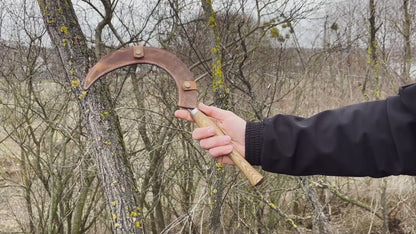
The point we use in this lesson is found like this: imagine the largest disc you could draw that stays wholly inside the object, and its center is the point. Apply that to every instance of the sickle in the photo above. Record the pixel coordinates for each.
(185, 85)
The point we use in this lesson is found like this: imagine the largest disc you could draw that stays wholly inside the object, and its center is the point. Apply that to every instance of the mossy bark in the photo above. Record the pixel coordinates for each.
(407, 25)
(221, 100)
(97, 114)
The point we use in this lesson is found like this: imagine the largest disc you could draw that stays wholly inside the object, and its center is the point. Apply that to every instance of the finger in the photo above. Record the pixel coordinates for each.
(202, 133)
(220, 151)
(213, 111)
(216, 141)
(183, 114)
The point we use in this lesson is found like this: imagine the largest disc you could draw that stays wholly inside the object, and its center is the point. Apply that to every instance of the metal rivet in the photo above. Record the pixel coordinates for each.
(187, 84)
(138, 52)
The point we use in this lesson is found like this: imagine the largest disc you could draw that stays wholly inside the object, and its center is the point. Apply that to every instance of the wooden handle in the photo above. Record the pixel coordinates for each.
(252, 174)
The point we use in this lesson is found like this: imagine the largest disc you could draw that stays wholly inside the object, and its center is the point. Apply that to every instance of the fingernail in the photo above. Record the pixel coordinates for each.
(211, 130)
(227, 139)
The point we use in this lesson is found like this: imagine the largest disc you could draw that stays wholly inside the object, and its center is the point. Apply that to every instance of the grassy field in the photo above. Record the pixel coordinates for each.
(352, 205)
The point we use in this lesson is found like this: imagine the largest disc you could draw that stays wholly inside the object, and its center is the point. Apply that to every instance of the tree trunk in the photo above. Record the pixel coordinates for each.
(372, 53)
(407, 23)
(221, 100)
(383, 201)
(320, 223)
(98, 117)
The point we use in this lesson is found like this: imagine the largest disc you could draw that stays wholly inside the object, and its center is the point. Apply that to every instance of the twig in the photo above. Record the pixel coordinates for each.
(278, 211)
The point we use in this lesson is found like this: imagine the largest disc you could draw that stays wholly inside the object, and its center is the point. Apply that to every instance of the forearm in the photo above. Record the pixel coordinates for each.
(358, 140)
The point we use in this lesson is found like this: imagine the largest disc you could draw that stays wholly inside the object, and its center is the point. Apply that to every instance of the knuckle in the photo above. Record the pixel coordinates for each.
(196, 134)
(220, 151)
(201, 133)
(204, 144)
(214, 152)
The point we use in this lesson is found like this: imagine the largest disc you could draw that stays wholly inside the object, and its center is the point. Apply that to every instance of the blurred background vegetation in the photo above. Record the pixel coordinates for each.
(257, 58)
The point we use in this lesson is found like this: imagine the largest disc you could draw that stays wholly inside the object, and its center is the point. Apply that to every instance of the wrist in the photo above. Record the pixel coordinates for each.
(254, 142)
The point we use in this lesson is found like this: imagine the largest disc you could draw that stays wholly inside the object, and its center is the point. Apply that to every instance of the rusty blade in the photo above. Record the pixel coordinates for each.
(185, 84)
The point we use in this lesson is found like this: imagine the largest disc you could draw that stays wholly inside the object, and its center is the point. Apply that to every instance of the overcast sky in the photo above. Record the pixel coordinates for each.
(308, 30)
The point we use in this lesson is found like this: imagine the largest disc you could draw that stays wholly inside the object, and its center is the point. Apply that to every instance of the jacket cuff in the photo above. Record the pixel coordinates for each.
(254, 142)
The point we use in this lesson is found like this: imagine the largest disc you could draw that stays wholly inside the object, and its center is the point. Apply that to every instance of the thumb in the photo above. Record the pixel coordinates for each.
(213, 112)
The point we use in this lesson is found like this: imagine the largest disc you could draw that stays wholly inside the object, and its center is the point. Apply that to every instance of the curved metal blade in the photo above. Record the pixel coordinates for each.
(185, 84)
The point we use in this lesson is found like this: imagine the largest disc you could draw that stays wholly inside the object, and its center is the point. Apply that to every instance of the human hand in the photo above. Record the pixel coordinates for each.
(219, 147)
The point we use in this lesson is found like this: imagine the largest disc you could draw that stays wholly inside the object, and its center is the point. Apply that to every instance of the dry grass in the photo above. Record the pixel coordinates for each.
(310, 97)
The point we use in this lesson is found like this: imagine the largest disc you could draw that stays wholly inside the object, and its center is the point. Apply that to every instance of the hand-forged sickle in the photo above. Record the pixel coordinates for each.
(185, 84)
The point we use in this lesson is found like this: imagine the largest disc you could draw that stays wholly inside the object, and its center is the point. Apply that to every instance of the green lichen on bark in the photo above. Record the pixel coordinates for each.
(222, 100)
(105, 135)
(221, 93)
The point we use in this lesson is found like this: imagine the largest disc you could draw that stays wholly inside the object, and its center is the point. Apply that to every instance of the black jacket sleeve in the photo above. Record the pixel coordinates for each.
(369, 139)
